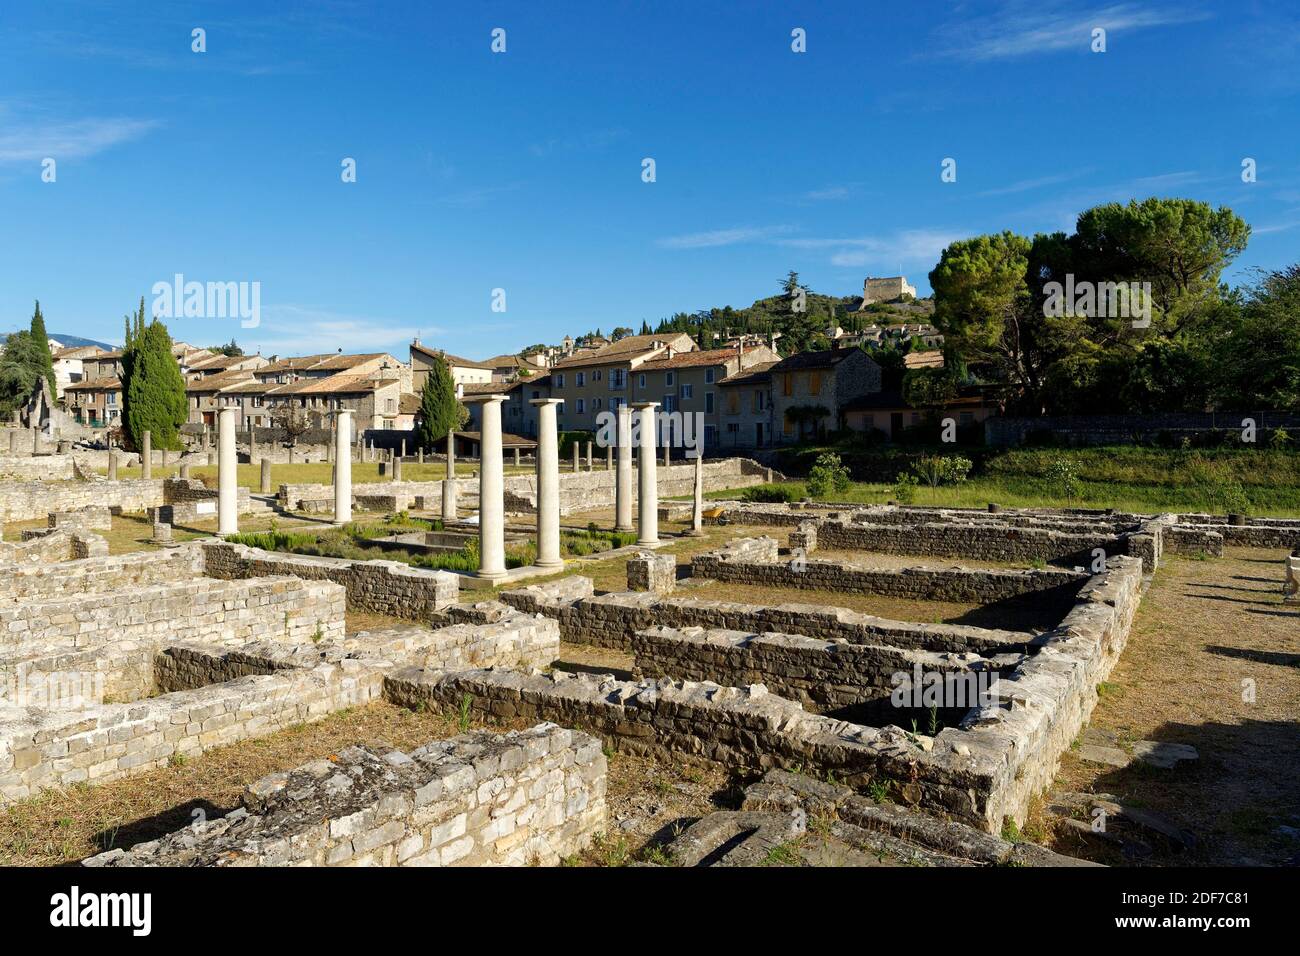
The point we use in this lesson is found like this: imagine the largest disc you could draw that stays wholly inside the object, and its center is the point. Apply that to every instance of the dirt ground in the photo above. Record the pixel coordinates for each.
(1213, 661)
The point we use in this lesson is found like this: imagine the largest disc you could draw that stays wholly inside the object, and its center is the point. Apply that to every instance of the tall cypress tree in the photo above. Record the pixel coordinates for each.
(153, 388)
(439, 410)
(41, 342)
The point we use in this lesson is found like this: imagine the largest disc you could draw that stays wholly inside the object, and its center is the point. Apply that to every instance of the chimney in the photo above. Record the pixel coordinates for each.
(740, 352)
(669, 352)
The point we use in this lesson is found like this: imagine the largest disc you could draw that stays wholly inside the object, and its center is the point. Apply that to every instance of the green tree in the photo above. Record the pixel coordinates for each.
(41, 343)
(20, 368)
(440, 412)
(153, 388)
(1259, 363)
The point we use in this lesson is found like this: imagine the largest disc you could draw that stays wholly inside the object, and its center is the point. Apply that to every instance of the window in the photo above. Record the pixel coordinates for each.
(640, 383)
(759, 401)
(688, 391)
(815, 383)
(670, 378)
(582, 379)
(708, 403)
(709, 437)
(787, 385)
(617, 378)
(257, 401)
(595, 404)
(733, 428)
(391, 406)
(708, 376)
(112, 398)
(788, 424)
(669, 402)
(536, 394)
(559, 380)
(733, 403)
(967, 418)
(582, 406)
(595, 376)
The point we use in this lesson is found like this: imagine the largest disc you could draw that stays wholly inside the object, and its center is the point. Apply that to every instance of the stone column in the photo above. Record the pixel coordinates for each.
(146, 456)
(575, 456)
(397, 469)
(112, 464)
(36, 441)
(420, 453)
(266, 476)
(609, 457)
(227, 480)
(697, 509)
(449, 494)
(491, 491)
(13, 442)
(589, 456)
(668, 455)
(343, 466)
(516, 456)
(623, 478)
(185, 470)
(252, 445)
(451, 454)
(403, 455)
(647, 489)
(548, 483)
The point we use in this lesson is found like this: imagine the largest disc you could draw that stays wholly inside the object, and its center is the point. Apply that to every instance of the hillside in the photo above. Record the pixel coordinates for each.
(69, 340)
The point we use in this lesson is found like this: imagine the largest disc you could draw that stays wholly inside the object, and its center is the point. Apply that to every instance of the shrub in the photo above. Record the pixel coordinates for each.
(828, 476)
(936, 470)
(769, 494)
(1063, 479)
(905, 488)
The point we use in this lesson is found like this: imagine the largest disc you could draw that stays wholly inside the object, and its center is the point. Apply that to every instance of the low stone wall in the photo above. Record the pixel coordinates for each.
(386, 587)
(99, 575)
(613, 620)
(740, 728)
(39, 467)
(1047, 701)
(978, 540)
(200, 609)
(188, 498)
(733, 563)
(42, 547)
(823, 676)
(94, 518)
(40, 749)
(579, 491)
(525, 797)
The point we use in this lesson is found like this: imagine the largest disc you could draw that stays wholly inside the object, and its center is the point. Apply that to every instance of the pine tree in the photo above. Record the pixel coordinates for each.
(439, 410)
(153, 389)
(41, 341)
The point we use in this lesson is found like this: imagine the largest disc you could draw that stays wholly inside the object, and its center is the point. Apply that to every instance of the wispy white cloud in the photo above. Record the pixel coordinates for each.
(1026, 185)
(475, 196)
(1027, 27)
(31, 140)
(908, 246)
(289, 329)
(722, 237)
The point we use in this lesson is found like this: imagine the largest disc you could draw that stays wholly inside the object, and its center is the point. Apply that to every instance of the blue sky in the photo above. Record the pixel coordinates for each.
(522, 170)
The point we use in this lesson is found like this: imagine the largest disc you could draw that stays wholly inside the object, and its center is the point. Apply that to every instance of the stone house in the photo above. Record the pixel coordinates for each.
(745, 416)
(599, 380)
(888, 413)
(376, 402)
(463, 371)
(689, 382)
(68, 367)
(810, 390)
(96, 403)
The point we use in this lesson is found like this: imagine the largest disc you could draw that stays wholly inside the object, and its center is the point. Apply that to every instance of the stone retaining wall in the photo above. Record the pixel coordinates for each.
(43, 547)
(481, 799)
(29, 468)
(26, 500)
(386, 587)
(976, 540)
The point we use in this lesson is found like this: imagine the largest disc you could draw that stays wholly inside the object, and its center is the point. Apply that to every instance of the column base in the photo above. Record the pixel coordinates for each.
(492, 575)
(549, 564)
(624, 527)
(651, 543)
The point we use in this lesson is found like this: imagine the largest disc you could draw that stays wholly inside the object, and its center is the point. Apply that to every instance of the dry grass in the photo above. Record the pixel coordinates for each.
(1203, 631)
(63, 826)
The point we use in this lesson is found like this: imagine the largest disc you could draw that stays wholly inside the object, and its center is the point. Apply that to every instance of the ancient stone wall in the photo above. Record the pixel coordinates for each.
(58, 748)
(99, 575)
(823, 676)
(32, 468)
(40, 547)
(526, 797)
(732, 563)
(386, 587)
(984, 541)
(613, 620)
(201, 609)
